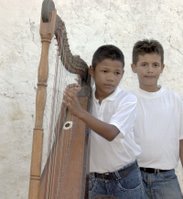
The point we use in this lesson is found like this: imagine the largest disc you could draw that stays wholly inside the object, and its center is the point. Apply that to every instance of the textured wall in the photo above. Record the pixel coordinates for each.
(89, 24)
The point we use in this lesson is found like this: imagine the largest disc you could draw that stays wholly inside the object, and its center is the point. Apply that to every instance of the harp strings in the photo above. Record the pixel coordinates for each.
(53, 127)
(66, 136)
(57, 118)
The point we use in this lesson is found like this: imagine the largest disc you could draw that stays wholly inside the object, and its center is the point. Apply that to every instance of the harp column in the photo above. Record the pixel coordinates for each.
(46, 32)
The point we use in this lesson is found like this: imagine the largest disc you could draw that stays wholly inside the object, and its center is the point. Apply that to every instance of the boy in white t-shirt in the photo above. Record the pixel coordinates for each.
(113, 151)
(159, 123)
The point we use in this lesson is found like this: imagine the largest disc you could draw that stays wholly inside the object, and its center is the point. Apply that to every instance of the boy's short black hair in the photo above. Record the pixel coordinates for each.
(147, 46)
(107, 52)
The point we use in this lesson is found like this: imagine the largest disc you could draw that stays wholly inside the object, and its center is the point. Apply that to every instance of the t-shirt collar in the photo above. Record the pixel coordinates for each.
(151, 94)
(111, 97)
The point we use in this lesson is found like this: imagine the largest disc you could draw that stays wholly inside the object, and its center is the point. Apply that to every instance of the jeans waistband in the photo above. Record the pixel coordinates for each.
(116, 174)
(152, 170)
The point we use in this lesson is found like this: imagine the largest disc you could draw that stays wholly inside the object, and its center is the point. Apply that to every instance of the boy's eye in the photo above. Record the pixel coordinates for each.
(117, 73)
(155, 65)
(144, 64)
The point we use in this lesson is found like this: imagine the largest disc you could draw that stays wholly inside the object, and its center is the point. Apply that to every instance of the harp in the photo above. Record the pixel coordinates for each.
(64, 174)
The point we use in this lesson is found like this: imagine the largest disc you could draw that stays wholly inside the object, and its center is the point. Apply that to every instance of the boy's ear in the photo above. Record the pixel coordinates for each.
(133, 66)
(91, 70)
(162, 67)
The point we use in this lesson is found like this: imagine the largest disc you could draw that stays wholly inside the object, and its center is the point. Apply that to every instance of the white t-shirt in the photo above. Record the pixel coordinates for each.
(158, 128)
(118, 109)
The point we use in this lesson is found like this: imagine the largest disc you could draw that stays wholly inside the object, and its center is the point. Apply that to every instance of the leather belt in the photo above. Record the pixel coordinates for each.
(151, 170)
(116, 174)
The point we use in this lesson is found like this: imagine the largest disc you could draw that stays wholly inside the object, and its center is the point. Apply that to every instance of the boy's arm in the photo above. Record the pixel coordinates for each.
(108, 131)
(181, 151)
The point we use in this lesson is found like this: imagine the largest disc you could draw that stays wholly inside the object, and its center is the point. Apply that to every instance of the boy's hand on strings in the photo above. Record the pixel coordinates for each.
(70, 99)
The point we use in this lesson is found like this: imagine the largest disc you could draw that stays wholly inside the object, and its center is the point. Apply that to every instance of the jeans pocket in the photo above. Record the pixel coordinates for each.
(132, 181)
(169, 175)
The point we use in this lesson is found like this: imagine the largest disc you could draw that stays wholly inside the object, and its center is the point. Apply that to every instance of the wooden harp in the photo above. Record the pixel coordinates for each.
(65, 171)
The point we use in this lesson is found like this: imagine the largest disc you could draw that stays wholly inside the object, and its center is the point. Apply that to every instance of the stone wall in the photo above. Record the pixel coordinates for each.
(89, 24)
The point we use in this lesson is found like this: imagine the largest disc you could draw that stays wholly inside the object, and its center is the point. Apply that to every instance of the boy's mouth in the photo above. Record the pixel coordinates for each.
(108, 86)
(151, 77)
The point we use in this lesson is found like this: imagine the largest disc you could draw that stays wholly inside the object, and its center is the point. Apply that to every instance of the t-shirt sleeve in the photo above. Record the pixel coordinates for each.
(125, 115)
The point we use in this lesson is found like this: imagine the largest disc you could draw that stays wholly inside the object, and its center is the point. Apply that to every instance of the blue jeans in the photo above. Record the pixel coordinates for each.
(123, 184)
(161, 185)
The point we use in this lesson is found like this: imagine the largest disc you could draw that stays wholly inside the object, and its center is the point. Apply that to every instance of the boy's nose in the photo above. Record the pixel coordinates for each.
(111, 77)
(150, 68)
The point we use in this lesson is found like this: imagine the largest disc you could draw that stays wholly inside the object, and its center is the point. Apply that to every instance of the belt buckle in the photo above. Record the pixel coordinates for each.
(156, 170)
(106, 175)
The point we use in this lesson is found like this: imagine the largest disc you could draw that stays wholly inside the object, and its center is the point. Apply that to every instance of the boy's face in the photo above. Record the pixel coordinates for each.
(148, 69)
(107, 75)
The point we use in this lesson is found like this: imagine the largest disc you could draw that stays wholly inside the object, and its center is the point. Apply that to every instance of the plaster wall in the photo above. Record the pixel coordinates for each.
(89, 24)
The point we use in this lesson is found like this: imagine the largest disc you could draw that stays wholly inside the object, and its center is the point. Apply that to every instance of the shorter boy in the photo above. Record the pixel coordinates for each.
(159, 123)
(113, 167)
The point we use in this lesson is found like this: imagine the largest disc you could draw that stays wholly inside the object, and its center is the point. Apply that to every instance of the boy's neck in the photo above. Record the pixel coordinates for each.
(151, 89)
(100, 98)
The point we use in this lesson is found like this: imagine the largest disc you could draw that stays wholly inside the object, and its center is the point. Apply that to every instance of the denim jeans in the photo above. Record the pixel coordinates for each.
(127, 186)
(161, 185)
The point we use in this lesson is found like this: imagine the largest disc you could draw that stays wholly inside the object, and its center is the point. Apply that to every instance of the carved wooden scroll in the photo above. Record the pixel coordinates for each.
(65, 172)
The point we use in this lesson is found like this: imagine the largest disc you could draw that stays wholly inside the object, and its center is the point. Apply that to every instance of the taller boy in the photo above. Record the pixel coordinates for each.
(113, 166)
(159, 123)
